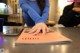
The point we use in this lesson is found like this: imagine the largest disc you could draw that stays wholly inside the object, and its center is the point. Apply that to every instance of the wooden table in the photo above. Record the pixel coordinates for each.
(7, 45)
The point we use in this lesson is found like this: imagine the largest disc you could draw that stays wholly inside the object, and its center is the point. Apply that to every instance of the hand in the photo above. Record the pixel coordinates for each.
(39, 27)
(78, 25)
(77, 9)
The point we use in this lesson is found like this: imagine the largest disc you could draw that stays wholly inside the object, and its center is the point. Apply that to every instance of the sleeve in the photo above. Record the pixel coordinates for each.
(23, 4)
(44, 16)
(31, 12)
(45, 13)
(67, 16)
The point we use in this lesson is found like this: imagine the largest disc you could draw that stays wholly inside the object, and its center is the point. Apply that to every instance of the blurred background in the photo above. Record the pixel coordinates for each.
(56, 9)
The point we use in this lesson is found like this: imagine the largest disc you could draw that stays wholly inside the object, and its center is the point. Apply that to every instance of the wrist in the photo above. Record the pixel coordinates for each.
(40, 23)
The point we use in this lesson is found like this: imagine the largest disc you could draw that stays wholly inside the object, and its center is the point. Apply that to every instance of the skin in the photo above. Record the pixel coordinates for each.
(78, 25)
(77, 9)
(39, 27)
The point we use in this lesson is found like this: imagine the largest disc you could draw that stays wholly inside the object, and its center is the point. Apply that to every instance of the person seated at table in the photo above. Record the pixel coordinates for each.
(71, 15)
(35, 14)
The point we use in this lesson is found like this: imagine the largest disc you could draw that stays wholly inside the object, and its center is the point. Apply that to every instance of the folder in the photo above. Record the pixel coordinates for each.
(51, 37)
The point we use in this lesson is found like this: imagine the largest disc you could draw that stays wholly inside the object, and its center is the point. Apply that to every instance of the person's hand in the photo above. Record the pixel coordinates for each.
(78, 25)
(76, 9)
(39, 27)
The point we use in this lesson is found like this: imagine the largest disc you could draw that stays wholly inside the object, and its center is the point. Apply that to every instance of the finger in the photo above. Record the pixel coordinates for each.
(37, 31)
(47, 30)
(33, 30)
(43, 31)
(33, 27)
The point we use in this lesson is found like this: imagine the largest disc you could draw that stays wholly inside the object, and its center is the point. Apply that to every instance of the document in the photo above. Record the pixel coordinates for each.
(51, 37)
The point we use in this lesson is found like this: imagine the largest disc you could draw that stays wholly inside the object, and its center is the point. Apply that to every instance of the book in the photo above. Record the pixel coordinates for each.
(51, 37)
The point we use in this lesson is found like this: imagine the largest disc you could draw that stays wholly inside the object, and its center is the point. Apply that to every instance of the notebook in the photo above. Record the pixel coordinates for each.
(51, 37)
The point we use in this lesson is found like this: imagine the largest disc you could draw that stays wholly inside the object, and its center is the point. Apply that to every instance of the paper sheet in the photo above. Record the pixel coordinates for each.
(51, 37)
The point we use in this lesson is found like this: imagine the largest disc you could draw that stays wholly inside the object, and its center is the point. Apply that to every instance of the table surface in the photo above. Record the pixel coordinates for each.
(7, 43)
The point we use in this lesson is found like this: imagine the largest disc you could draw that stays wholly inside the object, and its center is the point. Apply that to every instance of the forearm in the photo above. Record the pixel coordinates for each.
(34, 15)
(45, 13)
(30, 11)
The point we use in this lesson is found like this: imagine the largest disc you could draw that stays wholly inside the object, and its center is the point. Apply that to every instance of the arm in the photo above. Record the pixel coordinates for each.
(40, 20)
(33, 14)
(27, 9)
(45, 13)
(67, 16)
(44, 16)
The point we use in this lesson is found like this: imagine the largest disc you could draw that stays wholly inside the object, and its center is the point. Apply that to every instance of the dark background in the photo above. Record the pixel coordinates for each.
(3, 1)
